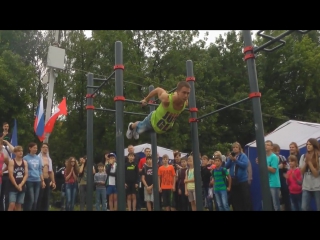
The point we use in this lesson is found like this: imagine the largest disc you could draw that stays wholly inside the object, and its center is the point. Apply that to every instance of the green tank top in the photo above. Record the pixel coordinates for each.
(162, 119)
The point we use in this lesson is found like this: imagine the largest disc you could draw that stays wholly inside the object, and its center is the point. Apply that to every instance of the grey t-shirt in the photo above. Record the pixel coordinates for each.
(100, 177)
(309, 182)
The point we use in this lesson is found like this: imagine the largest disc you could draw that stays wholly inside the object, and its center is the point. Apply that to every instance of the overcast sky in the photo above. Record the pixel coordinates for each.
(213, 34)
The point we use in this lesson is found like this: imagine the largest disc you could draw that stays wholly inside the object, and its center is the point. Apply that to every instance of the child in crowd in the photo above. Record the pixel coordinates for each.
(131, 182)
(100, 181)
(221, 186)
(111, 170)
(189, 184)
(181, 176)
(147, 181)
(294, 181)
(166, 180)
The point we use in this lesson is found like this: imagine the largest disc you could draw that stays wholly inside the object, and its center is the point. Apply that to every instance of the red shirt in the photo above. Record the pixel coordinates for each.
(142, 162)
(71, 179)
(294, 181)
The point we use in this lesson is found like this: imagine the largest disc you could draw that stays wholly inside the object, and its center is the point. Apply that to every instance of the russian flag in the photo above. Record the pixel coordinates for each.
(39, 121)
(14, 138)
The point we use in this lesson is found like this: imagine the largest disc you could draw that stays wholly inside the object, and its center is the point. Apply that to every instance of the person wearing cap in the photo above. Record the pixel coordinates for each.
(111, 170)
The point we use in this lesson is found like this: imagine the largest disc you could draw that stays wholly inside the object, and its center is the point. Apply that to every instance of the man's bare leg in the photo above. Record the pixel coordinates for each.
(134, 125)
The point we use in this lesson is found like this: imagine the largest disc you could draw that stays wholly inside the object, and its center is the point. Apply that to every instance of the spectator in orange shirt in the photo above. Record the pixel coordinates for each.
(166, 179)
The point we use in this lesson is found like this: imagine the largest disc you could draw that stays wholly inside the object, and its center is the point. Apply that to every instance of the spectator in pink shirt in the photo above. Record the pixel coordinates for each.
(294, 181)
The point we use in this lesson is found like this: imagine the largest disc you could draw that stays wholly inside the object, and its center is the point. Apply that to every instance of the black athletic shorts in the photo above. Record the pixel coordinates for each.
(131, 189)
(166, 197)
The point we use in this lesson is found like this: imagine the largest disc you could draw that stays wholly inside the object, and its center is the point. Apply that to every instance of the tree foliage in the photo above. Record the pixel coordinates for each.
(288, 81)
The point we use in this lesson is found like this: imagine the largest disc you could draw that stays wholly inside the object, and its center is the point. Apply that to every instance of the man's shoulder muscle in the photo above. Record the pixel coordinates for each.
(163, 96)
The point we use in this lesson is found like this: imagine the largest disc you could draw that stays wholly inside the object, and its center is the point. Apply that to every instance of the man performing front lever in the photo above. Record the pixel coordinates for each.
(163, 118)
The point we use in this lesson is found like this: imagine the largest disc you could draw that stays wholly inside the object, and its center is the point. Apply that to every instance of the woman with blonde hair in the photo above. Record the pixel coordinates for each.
(71, 174)
(294, 150)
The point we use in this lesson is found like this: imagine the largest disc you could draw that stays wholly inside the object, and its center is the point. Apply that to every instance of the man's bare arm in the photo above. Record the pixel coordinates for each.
(11, 148)
(162, 95)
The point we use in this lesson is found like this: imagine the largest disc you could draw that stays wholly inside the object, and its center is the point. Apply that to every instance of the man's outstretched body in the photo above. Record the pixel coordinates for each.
(163, 118)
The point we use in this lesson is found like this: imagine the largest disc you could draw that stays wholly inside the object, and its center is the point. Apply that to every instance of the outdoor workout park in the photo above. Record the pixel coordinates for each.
(254, 95)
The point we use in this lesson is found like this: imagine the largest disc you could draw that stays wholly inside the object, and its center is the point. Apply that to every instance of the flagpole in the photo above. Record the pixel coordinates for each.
(49, 100)
(14, 137)
(51, 78)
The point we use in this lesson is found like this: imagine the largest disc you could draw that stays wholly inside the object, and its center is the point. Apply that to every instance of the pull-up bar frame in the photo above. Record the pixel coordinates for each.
(119, 111)
(102, 84)
(249, 57)
(272, 40)
(249, 51)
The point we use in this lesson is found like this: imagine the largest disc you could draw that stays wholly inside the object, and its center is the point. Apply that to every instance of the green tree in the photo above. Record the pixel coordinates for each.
(18, 81)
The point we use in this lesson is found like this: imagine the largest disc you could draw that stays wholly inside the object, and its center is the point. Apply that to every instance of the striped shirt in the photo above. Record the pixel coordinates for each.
(219, 176)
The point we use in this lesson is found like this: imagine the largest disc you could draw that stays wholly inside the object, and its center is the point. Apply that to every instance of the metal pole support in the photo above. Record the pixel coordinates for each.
(119, 126)
(258, 123)
(90, 110)
(194, 136)
(154, 149)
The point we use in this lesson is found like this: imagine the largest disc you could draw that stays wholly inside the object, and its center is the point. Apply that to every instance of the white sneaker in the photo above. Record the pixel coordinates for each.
(129, 132)
(135, 134)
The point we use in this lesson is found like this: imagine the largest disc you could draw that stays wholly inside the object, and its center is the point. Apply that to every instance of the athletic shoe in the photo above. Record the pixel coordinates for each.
(129, 131)
(135, 134)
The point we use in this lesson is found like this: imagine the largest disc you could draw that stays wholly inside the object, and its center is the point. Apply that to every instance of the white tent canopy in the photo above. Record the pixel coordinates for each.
(162, 151)
(292, 131)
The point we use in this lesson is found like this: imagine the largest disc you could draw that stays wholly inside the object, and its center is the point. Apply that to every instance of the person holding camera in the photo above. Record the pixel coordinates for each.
(237, 163)
(82, 179)
(5, 135)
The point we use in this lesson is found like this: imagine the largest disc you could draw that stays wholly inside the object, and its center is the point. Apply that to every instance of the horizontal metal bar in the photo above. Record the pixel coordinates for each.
(138, 102)
(231, 105)
(92, 86)
(303, 31)
(149, 104)
(105, 81)
(99, 79)
(112, 110)
(257, 49)
(173, 89)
